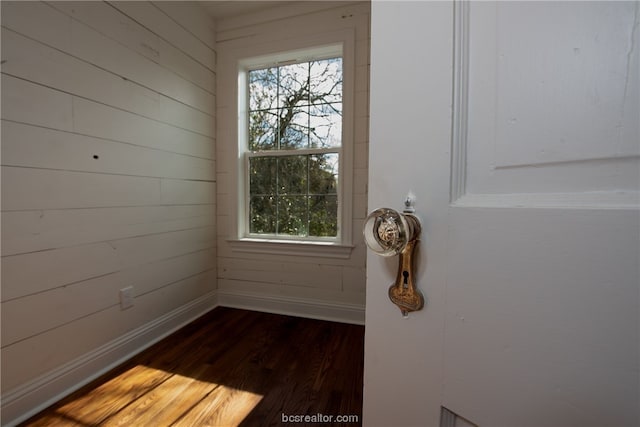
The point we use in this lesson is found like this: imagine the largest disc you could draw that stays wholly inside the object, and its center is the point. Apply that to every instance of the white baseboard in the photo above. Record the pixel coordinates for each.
(27, 400)
(336, 312)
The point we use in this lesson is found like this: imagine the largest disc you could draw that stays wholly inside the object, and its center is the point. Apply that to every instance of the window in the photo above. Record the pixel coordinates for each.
(292, 145)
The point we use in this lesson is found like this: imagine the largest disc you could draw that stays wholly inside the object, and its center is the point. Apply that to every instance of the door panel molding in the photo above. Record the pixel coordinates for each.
(495, 162)
(460, 101)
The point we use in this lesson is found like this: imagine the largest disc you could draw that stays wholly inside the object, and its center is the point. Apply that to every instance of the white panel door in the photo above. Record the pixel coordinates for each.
(524, 157)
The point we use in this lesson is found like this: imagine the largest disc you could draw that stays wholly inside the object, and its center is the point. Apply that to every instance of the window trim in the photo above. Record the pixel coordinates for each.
(291, 247)
(339, 43)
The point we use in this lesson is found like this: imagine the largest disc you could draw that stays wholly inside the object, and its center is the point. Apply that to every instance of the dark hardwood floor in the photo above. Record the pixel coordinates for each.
(229, 368)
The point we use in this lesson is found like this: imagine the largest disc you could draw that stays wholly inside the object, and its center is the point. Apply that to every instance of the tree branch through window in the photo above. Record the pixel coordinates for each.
(293, 108)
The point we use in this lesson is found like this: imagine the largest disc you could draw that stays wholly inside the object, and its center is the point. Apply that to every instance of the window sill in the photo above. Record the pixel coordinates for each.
(292, 248)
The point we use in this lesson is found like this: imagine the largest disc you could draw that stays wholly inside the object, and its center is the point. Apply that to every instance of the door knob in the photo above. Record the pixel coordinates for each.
(388, 233)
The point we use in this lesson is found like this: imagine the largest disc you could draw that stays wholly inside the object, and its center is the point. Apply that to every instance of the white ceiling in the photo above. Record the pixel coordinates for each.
(222, 9)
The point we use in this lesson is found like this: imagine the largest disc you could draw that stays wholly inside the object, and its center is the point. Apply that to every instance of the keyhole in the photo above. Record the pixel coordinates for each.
(405, 283)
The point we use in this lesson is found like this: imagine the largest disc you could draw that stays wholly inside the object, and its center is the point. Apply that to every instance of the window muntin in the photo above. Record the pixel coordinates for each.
(294, 145)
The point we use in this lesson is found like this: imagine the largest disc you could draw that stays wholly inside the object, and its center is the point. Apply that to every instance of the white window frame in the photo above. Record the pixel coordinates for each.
(340, 43)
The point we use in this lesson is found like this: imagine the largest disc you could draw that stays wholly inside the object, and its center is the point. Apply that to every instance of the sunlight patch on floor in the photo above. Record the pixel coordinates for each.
(144, 395)
(224, 406)
(92, 408)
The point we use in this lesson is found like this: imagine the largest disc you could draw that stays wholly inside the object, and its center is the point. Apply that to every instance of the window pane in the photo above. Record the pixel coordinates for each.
(262, 130)
(323, 216)
(263, 89)
(292, 175)
(262, 215)
(292, 215)
(326, 125)
(294, 128)
(296, 106)
(326, 81)
(323, 173)
(294, 85)
(262, 175)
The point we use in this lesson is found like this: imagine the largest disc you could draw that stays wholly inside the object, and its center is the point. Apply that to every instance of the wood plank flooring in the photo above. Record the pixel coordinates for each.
(229, 368)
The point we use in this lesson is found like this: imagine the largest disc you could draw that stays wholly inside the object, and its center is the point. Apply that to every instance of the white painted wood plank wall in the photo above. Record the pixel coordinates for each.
(108, 175)
(300, 285)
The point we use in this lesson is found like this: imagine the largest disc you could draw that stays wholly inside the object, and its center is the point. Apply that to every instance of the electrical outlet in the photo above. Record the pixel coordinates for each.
(126, 297)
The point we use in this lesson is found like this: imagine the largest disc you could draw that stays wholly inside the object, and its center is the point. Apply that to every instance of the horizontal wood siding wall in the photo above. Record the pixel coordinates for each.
(108, 174)
(300, 285)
